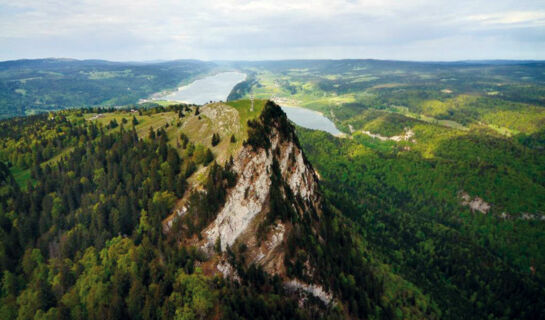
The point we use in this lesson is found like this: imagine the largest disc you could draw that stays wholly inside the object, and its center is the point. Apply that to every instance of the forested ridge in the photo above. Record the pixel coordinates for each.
(82, 233)
(83, 238)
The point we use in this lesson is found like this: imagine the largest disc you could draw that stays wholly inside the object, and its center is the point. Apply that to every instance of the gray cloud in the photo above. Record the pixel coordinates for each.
(273, 29)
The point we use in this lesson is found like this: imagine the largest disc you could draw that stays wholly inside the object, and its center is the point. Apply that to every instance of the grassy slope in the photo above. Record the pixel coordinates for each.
(21, 176)
(199, 131)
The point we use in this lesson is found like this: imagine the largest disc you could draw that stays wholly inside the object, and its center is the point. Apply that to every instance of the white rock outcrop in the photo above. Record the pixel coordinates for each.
(315, 290)
(407, 135)
(475, 204)
(247, 198)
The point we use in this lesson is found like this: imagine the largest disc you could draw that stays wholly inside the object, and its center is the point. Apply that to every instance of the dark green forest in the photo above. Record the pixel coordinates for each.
(433, 196)
(82, 239)
(82, 235)
(406, 207)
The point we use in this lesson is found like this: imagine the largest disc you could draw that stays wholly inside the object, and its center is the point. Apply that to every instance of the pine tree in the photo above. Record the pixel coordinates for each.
(215, 139)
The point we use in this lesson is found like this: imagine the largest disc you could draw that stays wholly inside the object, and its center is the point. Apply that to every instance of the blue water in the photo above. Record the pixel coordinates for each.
(212, 88)
(218, 87)
(310, 119)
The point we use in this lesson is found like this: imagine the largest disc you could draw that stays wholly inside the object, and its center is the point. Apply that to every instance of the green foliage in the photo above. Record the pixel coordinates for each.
(377, 121)
(259, 129)
(242, 88)
(409, 212)
(204, 205)
(193, 296)
(86, 241)
(201, 154)
(82, 236)
(257, 135)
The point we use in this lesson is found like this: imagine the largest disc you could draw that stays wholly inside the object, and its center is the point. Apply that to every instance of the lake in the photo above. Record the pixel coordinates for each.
(212, 88)
(310, 119)
(218, 87)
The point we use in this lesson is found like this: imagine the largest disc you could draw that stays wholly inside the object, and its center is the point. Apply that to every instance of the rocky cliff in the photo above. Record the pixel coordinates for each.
(276, 190)
(248, 203)
(260, 219)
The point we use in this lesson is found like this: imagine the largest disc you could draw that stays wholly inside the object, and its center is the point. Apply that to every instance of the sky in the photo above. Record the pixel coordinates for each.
(136, 30)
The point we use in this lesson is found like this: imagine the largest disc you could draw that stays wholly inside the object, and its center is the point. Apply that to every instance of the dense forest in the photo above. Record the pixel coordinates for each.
(83, 238)
(82, 234)
(433, 195)
(474, 265)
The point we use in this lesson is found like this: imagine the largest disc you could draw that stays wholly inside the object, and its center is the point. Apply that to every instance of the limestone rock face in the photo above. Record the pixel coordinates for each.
(260, 216)
(249, 197)
(245, 200)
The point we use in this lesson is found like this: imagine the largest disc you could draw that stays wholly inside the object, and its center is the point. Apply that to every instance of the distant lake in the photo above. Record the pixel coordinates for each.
(310, 119)
(212, 88)
(218, 87)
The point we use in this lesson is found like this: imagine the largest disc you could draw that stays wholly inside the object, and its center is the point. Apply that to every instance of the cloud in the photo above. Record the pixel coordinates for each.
(272, 29)
(531, 18)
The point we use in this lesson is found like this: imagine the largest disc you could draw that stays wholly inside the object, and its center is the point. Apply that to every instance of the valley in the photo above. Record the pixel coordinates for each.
(272, 159)
(314, 189)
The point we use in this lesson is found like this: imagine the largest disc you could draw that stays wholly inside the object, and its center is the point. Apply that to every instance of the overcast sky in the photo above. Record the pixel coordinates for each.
(272, 29)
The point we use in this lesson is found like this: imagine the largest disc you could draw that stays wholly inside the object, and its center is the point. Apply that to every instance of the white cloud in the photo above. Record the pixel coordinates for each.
(237, 29)
(533, 18)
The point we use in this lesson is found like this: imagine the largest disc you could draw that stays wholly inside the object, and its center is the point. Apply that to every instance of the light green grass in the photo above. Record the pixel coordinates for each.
(225, 119)
(244, 110)
(21, 176)
(164, 103)
(58, 157)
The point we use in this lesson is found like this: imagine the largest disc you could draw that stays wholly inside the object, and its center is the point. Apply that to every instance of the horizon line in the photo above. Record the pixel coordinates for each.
(155, 61)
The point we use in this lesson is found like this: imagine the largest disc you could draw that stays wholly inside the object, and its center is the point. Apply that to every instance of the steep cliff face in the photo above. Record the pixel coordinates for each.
(248, 203)
(276, 189)
(274, 182)
(260, 221)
